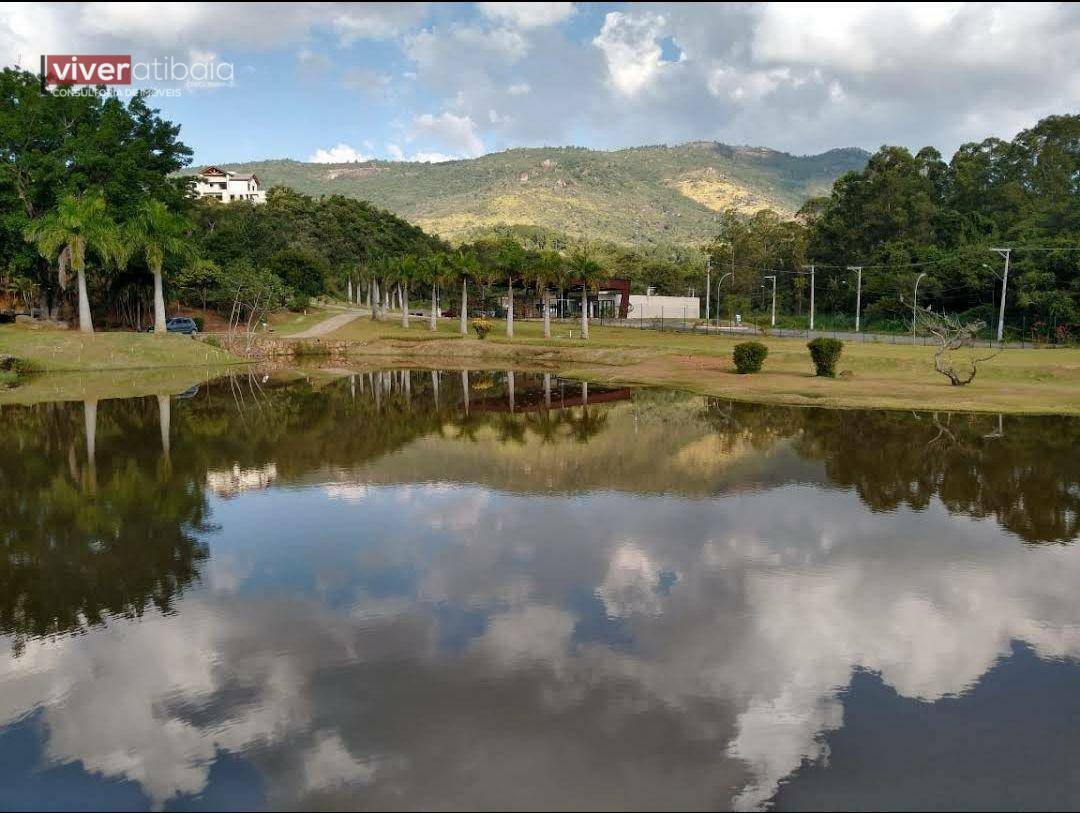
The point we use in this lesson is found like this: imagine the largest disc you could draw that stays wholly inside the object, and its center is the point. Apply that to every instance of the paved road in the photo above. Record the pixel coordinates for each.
(329, 325)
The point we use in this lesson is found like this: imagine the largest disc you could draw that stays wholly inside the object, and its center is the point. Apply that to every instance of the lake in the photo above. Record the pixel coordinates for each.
(490, 590)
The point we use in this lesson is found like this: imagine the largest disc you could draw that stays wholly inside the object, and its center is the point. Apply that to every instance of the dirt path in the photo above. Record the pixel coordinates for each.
(329, 325)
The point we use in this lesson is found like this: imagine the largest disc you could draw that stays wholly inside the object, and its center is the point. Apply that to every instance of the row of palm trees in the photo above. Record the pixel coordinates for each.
(80, 225)
(391, 279)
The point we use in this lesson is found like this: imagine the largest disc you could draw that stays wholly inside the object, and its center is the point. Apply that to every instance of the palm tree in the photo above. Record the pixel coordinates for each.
(543, 271)
(156, 233)
(465, 265)
(589, 271)
(432, 269)
(77, 225)
(381, 270)
(407, 270)
(509, 261)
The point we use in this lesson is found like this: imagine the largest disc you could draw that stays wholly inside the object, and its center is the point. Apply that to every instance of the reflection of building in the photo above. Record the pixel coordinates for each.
(230, 482)
(226, 186)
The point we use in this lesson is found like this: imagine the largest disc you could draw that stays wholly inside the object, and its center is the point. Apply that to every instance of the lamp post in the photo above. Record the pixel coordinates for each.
(915, 304)
(708, 290)
(811, 267)
(773, 278)
(720, 282)
(858, 294)
(1004, 252)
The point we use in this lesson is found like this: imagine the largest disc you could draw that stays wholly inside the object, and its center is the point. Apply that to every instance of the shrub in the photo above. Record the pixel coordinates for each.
(199, 322)
(482, 327)
(825, 353)
(315, 348)
(749, 356)
(299, 302)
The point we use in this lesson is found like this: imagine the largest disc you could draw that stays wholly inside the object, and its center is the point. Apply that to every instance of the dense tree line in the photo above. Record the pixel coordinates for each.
(90, 190)
(908, 214)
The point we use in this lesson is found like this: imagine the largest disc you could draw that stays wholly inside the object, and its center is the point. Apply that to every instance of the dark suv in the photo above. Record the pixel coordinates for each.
(178, 324)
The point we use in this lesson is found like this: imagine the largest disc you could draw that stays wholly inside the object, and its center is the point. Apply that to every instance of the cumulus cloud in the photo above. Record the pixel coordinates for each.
(799, 77)
(527, 15)
(631, 49)
(32, 29)
(456, 132)
(338, 154)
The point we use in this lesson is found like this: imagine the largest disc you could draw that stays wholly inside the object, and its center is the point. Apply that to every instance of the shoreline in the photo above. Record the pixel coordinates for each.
(879, 376)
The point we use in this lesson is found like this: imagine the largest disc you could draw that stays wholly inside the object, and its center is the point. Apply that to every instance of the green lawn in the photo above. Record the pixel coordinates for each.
(880, 375)
(68, 350)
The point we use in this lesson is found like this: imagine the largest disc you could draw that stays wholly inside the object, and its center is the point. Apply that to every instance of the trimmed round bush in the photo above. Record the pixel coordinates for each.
(749, 356)
(825, 353)
(482, 327)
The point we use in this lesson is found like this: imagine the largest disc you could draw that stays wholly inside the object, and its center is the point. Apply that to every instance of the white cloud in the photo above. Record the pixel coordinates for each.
(527, 15)
(338, 154)
(519, 89)
(457, 132)
(631, 49)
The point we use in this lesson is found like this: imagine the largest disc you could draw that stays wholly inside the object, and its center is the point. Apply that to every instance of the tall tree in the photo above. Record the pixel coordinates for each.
(432, 270)
(509, 259)
(465, 265)
(543, 270)
(78, 225)
(158, 233)
(588, 272)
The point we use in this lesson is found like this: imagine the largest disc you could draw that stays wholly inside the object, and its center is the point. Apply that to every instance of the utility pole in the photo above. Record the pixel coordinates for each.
(1004, 252)
(773, 278)
(708, 289)
(858, 294)
(811, 267)
(915, 305)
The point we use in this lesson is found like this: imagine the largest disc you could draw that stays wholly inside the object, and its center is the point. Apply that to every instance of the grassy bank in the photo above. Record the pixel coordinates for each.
(68, 365)
(881, 375)
(71, 351)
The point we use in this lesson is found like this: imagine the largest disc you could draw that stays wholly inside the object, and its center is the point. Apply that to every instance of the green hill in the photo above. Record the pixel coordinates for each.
(636, 196)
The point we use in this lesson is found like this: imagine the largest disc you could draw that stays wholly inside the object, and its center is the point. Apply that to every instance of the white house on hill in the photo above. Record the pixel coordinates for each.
(228, 186)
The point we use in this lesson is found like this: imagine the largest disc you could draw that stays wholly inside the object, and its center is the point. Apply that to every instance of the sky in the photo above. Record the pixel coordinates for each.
(436, 81)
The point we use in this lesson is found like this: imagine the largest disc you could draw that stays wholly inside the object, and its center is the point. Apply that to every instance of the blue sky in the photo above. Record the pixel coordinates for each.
(431, 81)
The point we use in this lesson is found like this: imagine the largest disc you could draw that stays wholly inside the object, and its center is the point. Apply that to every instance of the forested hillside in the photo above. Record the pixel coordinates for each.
(640, 196)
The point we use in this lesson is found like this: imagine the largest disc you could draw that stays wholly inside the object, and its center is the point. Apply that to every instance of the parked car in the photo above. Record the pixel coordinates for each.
(178, 324)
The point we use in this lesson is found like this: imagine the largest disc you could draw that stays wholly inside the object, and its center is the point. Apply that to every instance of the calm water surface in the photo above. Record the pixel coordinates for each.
(398, 590)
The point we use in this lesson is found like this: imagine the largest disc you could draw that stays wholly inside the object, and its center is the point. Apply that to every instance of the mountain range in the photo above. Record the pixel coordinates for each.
(636, 196)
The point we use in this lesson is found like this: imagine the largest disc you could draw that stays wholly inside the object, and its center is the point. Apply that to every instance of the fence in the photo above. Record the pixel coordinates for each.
(685, 325)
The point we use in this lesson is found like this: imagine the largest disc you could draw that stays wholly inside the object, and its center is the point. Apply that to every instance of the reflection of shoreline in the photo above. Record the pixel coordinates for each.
(230, 482)
(533, 400)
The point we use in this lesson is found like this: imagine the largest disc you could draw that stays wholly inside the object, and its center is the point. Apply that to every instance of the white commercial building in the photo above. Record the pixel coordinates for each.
(647, 306)
(226, 186)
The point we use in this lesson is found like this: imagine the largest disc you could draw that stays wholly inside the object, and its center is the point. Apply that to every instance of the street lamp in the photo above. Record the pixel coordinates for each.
(718, 284)
(773, 278)
(915, 305)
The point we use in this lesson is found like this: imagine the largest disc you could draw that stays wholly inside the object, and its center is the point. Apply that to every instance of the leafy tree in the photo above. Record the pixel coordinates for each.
(589, 273)
(545, 269)
(301, 269)
(78, 225)
(158, 233)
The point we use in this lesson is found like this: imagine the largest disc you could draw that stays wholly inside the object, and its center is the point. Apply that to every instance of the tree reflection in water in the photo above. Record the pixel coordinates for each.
(673, 620)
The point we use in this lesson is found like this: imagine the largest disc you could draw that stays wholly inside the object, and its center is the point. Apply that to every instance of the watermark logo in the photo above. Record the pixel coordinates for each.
(85, 69)
(73, 73)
